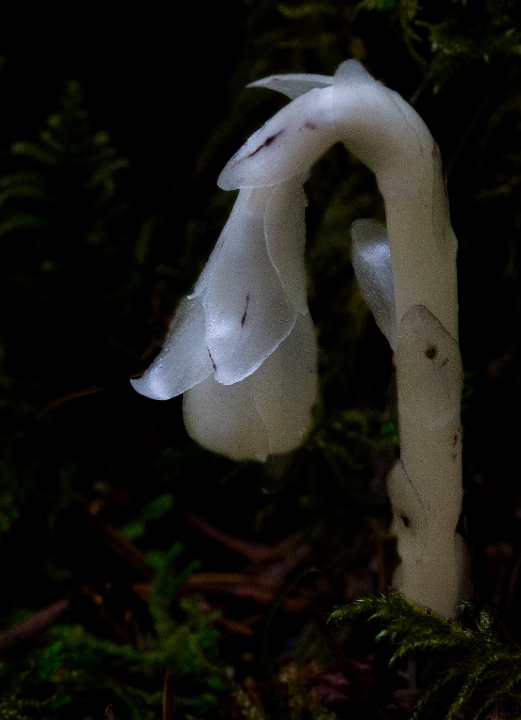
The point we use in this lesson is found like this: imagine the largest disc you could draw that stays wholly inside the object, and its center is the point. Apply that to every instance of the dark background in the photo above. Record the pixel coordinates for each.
(83, 458)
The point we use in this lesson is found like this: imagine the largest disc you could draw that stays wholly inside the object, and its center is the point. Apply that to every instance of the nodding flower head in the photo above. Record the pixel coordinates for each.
(242, 346)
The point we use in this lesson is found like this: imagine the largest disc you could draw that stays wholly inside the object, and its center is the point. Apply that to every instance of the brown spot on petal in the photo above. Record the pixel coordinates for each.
(211, 358)
(269, 140)
(455, 447)
(243, 319)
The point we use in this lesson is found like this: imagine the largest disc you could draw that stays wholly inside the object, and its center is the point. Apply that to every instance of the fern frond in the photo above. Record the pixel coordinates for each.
(13, 707)
(480, 663)
(446, 679)
(69, 173)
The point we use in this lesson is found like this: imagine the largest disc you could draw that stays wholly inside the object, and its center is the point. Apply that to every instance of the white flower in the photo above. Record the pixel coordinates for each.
(242, 346)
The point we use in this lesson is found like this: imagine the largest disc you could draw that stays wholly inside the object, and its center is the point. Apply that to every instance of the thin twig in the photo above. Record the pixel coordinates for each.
(33, 625)
(247, 548)
(168, 696)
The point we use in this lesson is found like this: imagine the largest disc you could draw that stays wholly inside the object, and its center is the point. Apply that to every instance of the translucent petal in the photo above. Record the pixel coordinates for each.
(375, 123)
(285, 228)
(287, 145)
(246, 309)
(371, 260)
(183, 361)
(293, 85)
(224, 419)
(285, 388)
(204, 278)
(233, 227)
(268, 412)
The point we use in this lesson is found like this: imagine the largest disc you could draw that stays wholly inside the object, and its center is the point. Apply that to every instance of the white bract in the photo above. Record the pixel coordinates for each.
(242, 344)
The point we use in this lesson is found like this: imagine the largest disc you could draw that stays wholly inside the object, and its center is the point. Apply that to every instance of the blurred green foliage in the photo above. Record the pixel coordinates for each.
(74, 186)
(482, 667)
(72, 674)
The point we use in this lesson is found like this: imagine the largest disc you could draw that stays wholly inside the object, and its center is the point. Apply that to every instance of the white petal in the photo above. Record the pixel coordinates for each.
(371, 260)
(183, 361)
(293, 85)
(233, 227)
(246, 309)
(285, 388)
(285, 228)
(268, 412)
(287, 145)
(224, 419)
(375, 123)
(204, 278)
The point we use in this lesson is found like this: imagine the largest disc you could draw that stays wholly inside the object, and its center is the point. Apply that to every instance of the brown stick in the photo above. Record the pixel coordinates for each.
(33, 625)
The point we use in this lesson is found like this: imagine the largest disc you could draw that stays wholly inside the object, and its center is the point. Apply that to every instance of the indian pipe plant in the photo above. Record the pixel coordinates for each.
(151, 570)
(242, 348)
